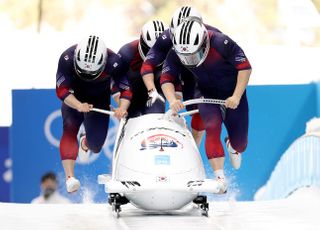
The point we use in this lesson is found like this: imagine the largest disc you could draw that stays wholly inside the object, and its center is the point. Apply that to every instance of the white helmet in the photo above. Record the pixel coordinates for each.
(182, 13)
(149, 34)
(90, 58)
(191, 42)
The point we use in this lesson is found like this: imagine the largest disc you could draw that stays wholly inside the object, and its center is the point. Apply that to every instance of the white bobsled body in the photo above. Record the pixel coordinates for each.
(156, 164)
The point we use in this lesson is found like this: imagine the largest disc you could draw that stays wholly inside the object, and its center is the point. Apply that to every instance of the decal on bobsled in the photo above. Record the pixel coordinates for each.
(130, 183)
(158, 128)
(195, 183)
(162, 160)
(160, 141)
(162, 179)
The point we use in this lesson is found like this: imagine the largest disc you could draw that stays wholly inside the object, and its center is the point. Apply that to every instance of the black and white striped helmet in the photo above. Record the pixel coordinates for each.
(182, 13)
(90, 58)
(191, 42)
(149, 34)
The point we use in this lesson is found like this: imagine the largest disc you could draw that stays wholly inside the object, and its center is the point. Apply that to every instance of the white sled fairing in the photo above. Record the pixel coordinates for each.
(156, 164)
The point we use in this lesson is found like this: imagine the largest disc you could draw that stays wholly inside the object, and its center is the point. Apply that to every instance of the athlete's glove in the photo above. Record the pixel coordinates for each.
(153, 96)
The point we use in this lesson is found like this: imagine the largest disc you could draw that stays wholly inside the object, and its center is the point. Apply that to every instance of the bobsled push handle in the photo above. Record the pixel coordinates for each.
(203, 101)
(108, 112)
(197, 101)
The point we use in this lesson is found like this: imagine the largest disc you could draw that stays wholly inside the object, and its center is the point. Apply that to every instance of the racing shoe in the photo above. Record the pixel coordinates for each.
(222, 183)
(235, 157)
(83, 151)
(72, 184)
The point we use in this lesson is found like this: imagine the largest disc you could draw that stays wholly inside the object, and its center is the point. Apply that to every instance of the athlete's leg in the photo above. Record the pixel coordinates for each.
(197, 128)
(237, 122)
(212, 119)
(211, 116)
(72, 120)
(96, 126)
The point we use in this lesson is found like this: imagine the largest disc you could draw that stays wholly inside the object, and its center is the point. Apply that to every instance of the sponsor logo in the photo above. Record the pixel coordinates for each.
(160, 141)
(195, 183)
(87, 66)
(115, 64)
(131, 184)
(164, 36)
(225, 42)
(66, 57)
(162, 160)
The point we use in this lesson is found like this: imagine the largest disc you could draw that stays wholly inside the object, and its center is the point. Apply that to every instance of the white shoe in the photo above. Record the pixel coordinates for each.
(72, 184)
(234, 156)
(83, 151)
(222, 183)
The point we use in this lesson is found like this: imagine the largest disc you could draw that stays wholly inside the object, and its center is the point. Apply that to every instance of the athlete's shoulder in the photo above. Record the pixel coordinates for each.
(68, 54)
(128, 50)
(172, 59)
(220, 39)
(115, 62)
(164, 40)
(130, 46)
(212, 28)
(65, 64)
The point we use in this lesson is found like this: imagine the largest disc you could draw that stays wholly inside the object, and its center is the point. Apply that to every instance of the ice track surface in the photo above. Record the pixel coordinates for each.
(300, 211)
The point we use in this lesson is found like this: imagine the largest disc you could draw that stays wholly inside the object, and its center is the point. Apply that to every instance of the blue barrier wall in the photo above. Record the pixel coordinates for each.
(5, 165)
(277, 117)
(34, 141)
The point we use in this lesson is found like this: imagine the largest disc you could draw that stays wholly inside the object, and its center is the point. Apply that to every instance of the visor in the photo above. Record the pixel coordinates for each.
(197, 58)
(88, 75)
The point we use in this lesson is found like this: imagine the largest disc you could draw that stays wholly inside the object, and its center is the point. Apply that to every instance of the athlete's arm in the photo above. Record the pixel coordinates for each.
(74, 103)
(63, 83)
(170, 73)
(235, 55)
(155, 57)
(121, 111)
(242, 82)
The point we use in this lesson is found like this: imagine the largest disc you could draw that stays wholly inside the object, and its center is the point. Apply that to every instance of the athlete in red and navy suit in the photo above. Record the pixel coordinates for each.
(223, 74)
(78, 96)
(155, 57)
(132, 59)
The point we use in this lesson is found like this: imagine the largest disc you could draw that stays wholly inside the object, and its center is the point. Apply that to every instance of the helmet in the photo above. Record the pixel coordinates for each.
(149, 34)
(191, 42)
(90, 58)
(180, 14)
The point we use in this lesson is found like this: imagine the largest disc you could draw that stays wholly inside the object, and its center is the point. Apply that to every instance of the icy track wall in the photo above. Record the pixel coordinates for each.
(298, 167)
(277, 117)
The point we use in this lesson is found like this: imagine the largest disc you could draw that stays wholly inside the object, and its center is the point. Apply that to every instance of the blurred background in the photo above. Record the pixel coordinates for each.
(280, 37)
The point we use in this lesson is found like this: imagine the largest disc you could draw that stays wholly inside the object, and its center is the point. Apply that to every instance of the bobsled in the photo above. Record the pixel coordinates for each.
(157, 165)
